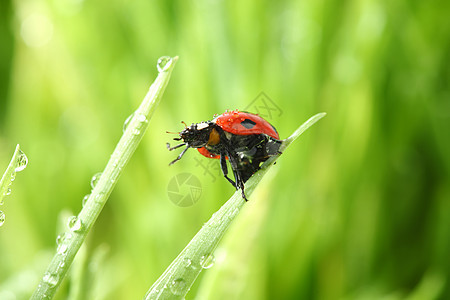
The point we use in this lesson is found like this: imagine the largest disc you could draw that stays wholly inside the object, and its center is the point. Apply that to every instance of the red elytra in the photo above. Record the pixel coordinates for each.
(203, 151)
(241, 123)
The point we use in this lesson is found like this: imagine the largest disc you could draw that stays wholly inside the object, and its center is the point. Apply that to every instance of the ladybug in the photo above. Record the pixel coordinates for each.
(246, 140)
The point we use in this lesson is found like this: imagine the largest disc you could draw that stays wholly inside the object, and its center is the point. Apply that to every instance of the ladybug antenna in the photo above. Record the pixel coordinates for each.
(185, 125)
(172, 132)
(181, 154)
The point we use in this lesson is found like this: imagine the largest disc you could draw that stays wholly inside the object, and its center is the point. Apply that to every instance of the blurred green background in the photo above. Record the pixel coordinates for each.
(357, 208)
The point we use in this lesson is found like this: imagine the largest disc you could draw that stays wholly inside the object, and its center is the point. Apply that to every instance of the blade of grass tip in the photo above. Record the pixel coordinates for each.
(70, 242)
(18, 162)
(178, 278)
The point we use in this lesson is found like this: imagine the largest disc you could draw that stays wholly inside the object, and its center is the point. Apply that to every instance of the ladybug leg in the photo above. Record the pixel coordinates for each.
(223, 166)
(237, 174)
(175, 147)
(179, 156)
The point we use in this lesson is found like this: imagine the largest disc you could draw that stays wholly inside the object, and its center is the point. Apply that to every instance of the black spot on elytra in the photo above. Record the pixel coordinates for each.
(247, 123)
(274, 128)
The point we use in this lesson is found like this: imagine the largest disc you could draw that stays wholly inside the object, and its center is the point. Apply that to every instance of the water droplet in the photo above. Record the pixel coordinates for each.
(95, 179)
(207, 261)
(62, 248)
(163, 63)
(187, 262)
(51, 279)
(74, 224)
(59, 239)
(178, 286)
(99, 198)
(136, 131)
(127, 121)
(22, 161)
(142, 118)
(115, 163)
(2, 218)
(7, 192)
(85, 198)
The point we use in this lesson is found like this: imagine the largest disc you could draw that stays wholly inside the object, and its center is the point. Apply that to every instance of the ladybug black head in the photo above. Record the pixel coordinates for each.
(195, 136)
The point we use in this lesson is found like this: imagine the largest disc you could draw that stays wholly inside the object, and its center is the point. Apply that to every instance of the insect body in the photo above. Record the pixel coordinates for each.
(245, 139)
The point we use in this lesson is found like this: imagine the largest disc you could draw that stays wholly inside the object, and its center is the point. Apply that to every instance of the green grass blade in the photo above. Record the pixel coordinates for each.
(80, 225)
(18, 162)
(178, 278)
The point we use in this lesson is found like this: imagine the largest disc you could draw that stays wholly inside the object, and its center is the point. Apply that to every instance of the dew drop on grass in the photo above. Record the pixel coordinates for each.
(127, 121)
(62, 248)
(22, 161)
(95, 179)
(74, 224)
(178, 286)
(85, 198)
(187, 262)
(59, 239)
(51, 279)
(207, 261)
(142, 118)
(2, 218)
(100, 197)
(163, 63)
(136, 131)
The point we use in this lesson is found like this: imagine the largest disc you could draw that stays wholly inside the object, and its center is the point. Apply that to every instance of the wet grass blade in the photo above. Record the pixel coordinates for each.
(18, 162)
(79, 226)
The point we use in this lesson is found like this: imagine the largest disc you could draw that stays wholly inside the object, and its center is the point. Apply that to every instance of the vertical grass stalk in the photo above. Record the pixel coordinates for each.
(70, 242)
(178, 278)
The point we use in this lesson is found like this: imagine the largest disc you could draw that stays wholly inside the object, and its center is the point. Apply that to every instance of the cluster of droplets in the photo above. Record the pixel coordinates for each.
(75, 225)
(179, 286)
(19, 164)
(52, 277)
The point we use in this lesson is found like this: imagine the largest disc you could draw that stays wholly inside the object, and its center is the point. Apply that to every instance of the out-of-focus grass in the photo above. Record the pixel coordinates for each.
(361, 210)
